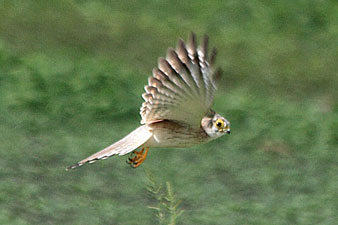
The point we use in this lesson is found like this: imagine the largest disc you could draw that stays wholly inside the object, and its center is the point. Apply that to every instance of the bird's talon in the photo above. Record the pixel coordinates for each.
(138, 159)
(130, 160)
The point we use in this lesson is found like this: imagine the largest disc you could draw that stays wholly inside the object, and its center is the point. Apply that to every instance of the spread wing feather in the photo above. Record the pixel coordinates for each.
(182, 87)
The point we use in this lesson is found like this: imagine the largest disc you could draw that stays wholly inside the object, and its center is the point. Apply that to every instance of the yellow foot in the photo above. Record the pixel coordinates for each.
(138, 159)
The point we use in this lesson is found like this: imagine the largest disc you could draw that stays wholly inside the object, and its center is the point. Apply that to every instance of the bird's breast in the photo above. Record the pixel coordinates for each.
(175, 134)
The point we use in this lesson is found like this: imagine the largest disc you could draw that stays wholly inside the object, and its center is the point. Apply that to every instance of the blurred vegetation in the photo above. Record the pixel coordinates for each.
(71, 76)
(167, 208)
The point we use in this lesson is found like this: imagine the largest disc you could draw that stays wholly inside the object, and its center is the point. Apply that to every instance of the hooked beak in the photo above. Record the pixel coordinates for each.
(226, 131)
(227, 128)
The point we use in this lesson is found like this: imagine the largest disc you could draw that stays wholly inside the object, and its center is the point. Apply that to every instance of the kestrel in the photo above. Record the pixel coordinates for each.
(177, 109)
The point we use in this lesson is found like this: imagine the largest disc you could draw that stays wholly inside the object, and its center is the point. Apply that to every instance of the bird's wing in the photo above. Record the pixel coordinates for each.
(182, 87)
(129, 143)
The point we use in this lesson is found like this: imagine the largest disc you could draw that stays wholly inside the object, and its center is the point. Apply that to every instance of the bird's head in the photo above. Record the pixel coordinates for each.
(215, 125)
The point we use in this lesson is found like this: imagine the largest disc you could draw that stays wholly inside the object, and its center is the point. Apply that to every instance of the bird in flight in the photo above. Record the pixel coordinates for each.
(176, 111)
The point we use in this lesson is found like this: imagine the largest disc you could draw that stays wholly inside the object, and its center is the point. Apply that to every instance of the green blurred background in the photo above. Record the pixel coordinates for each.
(71, 76)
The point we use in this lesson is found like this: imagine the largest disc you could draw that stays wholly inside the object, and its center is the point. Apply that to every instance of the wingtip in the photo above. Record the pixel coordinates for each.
(180, 44)
(206, 37)
(192, 35)
(161, 61)
(170, 52)
(204, 45)
(218, 74)
(213, 55)
(192, 39)
(73, 166)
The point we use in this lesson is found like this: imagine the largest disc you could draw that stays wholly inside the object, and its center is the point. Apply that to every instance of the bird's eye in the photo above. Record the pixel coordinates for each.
(219, 123)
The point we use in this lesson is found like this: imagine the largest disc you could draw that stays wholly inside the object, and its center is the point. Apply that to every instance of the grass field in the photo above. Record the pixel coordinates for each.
(71, 77)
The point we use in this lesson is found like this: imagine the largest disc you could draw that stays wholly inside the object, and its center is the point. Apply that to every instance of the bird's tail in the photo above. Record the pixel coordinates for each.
(128, 144)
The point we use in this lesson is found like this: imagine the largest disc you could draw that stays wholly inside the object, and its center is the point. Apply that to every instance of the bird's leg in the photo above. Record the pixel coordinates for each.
(139, 158)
